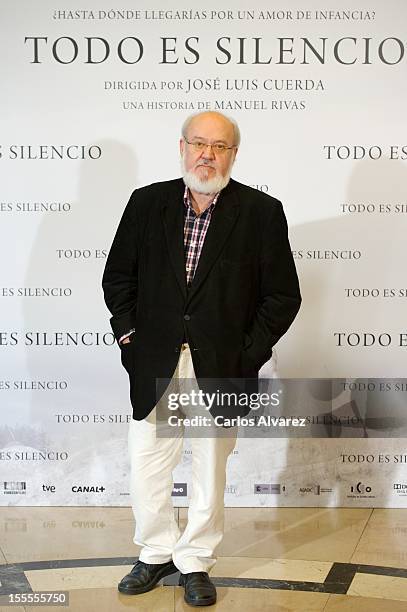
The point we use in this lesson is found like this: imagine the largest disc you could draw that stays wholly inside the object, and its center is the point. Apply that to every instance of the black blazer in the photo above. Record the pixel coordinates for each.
(243, 298)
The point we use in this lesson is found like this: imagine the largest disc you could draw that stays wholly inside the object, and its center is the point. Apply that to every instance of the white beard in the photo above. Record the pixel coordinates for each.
(207, 187)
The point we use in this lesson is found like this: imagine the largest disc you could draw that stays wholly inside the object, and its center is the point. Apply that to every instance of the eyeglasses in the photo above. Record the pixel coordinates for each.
(199, 146)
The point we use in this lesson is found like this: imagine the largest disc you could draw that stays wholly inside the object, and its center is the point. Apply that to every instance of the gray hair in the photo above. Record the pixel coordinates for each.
(236, 131)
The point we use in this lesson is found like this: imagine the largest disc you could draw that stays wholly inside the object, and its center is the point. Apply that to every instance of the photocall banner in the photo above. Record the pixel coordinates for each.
(93, 99)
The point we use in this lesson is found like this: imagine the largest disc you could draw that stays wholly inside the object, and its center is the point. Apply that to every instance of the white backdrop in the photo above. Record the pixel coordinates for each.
(91, 107)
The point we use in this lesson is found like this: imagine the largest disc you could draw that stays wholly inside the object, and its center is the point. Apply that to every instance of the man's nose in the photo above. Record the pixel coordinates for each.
(208, 152)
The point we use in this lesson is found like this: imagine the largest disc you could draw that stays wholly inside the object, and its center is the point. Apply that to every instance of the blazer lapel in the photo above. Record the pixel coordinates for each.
(223, 219)
(173, 219)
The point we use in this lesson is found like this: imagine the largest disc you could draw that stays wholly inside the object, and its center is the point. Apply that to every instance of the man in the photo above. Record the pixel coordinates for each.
(201, 284)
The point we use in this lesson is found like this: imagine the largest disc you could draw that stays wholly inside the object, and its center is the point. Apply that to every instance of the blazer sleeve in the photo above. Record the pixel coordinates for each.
(119, 280)
(279, 296)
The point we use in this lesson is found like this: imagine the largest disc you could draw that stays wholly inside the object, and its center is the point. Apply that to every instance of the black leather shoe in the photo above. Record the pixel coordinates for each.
(144, 576)
(199, 590)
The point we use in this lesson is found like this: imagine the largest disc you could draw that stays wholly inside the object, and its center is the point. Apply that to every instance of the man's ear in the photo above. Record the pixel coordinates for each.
(181, 146)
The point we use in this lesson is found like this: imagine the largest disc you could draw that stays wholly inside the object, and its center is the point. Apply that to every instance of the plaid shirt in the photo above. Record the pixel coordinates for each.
(195, 228)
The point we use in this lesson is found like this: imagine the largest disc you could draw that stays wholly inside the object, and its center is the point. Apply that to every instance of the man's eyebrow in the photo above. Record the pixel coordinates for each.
(219, 141)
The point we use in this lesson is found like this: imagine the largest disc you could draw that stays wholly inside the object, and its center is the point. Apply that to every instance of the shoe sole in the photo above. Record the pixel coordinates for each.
(159, 576)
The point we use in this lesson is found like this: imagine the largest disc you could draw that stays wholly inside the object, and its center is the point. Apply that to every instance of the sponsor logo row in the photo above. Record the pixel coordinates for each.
(359, 490)
(19, 487)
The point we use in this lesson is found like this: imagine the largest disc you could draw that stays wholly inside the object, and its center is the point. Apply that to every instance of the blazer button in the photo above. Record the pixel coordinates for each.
(187, 317)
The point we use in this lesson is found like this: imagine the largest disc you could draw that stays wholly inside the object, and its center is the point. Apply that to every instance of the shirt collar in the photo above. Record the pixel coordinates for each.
(188, 201)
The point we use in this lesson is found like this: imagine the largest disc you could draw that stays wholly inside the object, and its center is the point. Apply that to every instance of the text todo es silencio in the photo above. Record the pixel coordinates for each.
(347, 50)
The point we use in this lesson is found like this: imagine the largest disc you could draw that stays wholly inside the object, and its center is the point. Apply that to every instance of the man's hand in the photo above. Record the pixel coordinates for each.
(126, 338)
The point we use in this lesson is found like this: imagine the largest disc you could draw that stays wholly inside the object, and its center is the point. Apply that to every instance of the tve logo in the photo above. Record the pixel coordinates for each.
(48, 488)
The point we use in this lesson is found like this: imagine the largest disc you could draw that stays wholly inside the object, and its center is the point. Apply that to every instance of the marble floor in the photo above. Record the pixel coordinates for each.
(277, 559)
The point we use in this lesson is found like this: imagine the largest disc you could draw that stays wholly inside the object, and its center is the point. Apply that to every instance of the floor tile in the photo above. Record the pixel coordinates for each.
(65, 579)
(275, 569)
(160, 599)
(384, 587)
(259, 600)
(320, 534)
(384, 540)
(346, 603)
(33, 534)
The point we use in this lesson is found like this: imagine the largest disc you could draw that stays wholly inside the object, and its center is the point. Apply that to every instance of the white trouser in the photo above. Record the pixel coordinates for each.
(152, 461)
